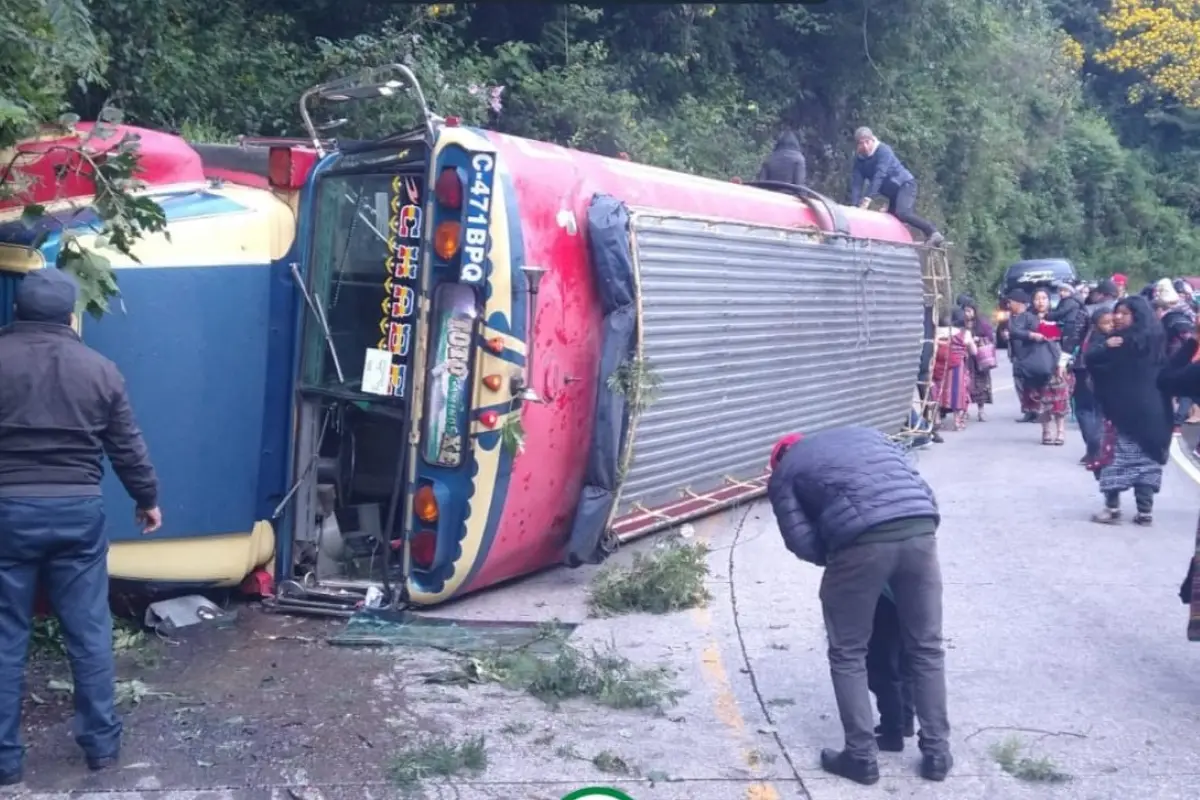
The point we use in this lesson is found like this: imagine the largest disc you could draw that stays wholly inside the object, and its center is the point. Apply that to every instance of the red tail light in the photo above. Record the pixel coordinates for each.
(424, 548)
(287, 168)
(449, 189)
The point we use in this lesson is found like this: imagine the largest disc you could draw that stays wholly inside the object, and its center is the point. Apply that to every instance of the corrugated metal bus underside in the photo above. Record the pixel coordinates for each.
(748, 333)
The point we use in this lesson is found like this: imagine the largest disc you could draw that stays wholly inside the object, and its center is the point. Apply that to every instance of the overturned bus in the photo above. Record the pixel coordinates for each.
(446, 358)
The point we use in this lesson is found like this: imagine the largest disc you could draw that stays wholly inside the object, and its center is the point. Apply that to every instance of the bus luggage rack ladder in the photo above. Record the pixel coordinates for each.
(936, 298)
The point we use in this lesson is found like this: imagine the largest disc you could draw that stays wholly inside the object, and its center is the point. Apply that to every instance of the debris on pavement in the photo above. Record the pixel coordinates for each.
(168, 616)
(388, 628)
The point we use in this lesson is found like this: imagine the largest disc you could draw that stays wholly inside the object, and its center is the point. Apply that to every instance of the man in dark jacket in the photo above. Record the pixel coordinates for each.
(1070, 316)
(847, 499)
(786, 163)
(877, 165)
(62, 407)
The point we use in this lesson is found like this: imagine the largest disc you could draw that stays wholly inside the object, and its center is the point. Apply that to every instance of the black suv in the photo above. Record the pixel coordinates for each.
(1037, 273)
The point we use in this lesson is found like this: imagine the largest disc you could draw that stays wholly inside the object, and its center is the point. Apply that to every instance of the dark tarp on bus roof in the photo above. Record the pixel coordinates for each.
(612, 266)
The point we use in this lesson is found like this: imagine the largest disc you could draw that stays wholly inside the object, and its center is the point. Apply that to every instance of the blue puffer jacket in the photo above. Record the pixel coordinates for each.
(833, 486)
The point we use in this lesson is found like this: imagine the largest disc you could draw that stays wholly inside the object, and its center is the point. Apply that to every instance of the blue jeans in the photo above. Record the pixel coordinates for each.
(61, 542)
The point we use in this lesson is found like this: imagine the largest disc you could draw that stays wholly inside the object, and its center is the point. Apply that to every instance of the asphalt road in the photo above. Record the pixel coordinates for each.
(1063, 636)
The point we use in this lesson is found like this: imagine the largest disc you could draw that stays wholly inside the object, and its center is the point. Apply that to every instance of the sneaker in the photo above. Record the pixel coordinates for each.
(1145, 519)
(936, 766)
(859, 770)
(1108, 516)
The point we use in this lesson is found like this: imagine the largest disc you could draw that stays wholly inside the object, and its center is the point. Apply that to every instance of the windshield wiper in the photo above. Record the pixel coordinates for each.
(314, 305)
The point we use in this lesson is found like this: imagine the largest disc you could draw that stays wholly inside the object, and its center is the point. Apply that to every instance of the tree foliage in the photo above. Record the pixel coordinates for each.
(1159, 40)
(50, 48)
(1015, 119)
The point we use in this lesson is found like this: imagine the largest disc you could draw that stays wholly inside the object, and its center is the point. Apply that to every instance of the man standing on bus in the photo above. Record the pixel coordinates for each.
(62, 407)
(877, 165)
(847, 499)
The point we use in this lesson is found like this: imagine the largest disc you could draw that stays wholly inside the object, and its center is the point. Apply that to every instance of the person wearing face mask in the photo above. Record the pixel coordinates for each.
(876, 165)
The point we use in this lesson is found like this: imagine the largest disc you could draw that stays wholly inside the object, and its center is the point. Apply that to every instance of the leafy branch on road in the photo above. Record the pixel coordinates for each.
(46, 637)
(566, 672)
(670, 578)
(1039, 769)
(436, 757)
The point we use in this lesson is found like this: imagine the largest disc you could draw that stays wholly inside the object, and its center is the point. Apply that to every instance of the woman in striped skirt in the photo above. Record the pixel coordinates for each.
(1125, 368)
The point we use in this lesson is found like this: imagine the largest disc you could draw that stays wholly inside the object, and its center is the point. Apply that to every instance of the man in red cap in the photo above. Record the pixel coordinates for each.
(1122, 282)
(848, 500)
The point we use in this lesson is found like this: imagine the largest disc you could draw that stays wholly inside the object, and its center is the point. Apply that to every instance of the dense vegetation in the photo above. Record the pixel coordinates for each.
(1036, 127)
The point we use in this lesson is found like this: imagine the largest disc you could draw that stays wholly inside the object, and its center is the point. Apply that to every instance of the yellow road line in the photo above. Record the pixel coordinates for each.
(725, 703)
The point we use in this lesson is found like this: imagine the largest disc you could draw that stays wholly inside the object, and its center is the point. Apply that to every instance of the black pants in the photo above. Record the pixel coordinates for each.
(888, 671)
(902, 205)
(1143, 499)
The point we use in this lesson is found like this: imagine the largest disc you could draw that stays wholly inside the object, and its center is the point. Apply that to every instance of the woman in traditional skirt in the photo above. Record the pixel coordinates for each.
(1052, 400)
(981, 378)
(1125, 368)
(952, 373)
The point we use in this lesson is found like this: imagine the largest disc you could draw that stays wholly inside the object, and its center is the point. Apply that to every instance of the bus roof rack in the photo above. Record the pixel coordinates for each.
(388, 80)
(837, 219)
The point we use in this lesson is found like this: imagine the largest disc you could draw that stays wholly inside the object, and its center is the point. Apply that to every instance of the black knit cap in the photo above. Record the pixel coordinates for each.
(1019, 296)
(46, 295)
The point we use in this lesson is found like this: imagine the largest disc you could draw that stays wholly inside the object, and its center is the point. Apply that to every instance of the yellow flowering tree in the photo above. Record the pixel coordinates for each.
(1160, 39)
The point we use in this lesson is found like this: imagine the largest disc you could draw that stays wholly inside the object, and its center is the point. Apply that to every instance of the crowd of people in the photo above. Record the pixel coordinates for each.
(1103, 352)
(848, 500)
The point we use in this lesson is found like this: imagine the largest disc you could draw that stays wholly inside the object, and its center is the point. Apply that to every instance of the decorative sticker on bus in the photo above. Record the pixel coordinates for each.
(446, 420)
(475, 266)
(398, 304)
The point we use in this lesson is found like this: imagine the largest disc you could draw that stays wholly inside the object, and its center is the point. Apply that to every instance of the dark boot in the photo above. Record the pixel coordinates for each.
(936, 766)
(837, 762)
(889, 741)
(95, 764)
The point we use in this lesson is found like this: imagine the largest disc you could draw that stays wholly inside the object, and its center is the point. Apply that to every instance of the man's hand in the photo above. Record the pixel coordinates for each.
(865, 203)
(1114, 341)
(1037, 337)
(149, 518)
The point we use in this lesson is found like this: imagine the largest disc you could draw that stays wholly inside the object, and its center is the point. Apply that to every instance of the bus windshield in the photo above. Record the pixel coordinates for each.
(363, 280)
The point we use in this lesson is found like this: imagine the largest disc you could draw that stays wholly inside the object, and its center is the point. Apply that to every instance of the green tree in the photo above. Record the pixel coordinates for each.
(49, 46)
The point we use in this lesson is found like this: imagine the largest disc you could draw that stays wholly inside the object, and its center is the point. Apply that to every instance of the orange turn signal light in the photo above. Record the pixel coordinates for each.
(425, 504)
(489, 418)
(492, 382)
(446, 239)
